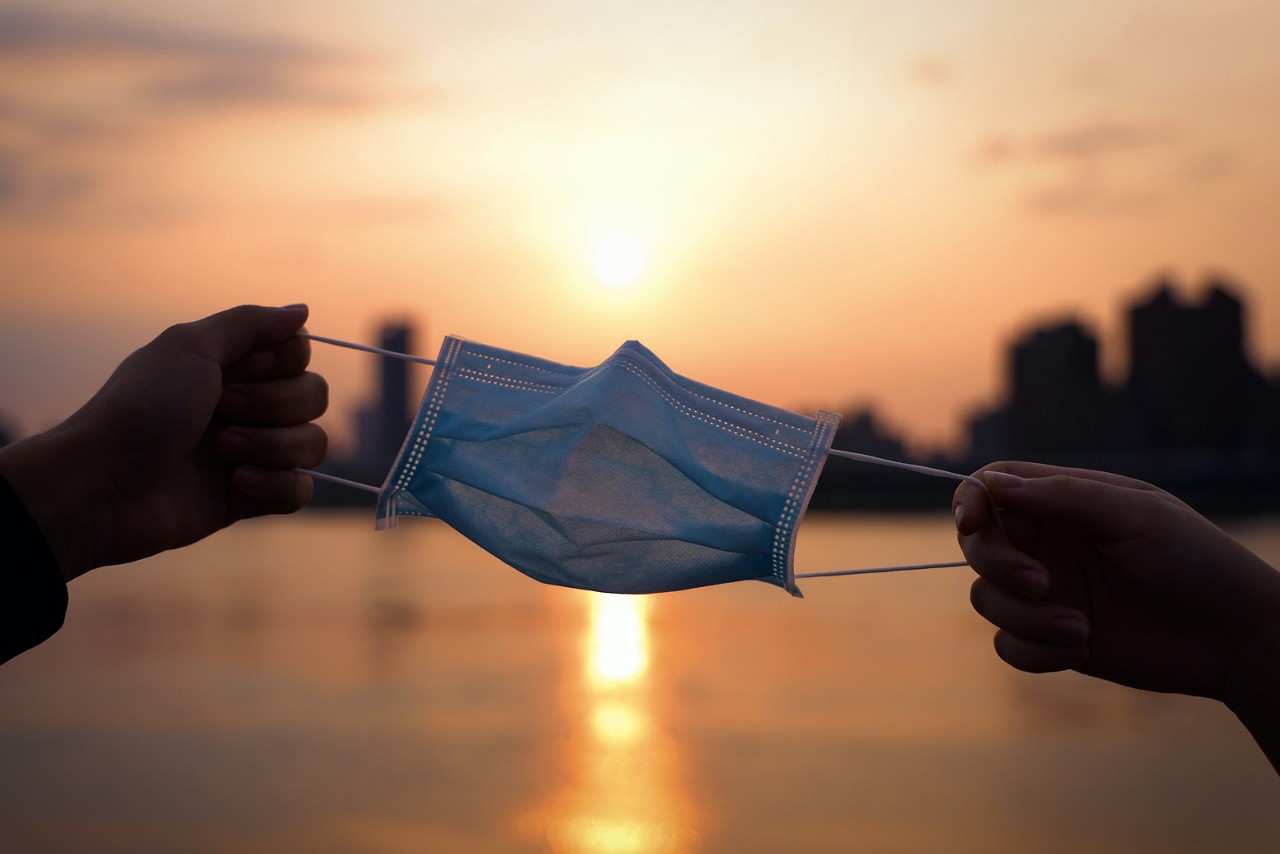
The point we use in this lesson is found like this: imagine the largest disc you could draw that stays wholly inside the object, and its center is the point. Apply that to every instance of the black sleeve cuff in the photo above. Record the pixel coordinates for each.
(33, 596)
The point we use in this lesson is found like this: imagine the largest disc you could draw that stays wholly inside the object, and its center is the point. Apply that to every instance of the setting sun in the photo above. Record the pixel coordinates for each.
(618, 259)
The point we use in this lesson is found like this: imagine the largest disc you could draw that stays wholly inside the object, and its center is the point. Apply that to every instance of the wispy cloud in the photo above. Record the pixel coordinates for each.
(1101, 139)
(1104, 166)
(34, 33)
(122, 82)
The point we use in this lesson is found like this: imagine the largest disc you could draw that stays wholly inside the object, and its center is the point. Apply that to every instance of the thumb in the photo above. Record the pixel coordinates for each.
(230, 335)
(1104, 508)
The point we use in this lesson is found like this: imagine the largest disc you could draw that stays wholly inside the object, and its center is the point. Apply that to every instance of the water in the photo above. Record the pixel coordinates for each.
(309, 685)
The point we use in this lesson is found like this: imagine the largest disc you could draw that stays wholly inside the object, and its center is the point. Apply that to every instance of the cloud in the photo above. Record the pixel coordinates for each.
(114, 87)
(224, 84)
(28, 185)
(33, 33)
(185, 67)
(1092, 141)
(1102, 139)
(1104, 166)
(1087, 192)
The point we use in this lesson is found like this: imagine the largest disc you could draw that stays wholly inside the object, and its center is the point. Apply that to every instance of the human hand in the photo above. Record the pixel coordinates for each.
(1115, 578)
(196, 430)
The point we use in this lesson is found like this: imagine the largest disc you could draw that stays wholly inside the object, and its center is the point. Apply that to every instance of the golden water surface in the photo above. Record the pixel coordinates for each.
(310, 685)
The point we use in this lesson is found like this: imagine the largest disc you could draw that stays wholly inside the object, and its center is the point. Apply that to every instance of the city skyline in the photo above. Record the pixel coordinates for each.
(1192, 409)
(1190, 384)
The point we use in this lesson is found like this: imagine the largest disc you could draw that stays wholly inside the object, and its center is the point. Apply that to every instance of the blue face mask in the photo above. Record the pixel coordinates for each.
(624, 478)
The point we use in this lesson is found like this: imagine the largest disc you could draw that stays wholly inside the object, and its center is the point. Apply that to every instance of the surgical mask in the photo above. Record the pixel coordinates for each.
(625, 477)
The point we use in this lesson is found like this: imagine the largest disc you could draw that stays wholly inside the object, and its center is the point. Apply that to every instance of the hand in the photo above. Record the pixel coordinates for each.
(1117, 579)
(198, 429)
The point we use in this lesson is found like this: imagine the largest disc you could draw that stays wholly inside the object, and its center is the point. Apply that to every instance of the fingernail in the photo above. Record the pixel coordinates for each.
(293, 306)
(959, 514)
(1031, 581)
(1004, 480)
(1074, 629)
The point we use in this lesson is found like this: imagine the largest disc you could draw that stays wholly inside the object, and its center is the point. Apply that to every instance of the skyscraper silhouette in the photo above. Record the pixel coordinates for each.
(1057, 404)
(1191, 385)
(382, 425)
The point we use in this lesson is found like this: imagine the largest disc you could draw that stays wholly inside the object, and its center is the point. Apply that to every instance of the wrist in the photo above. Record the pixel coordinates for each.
(1252, 690)
(59, 482)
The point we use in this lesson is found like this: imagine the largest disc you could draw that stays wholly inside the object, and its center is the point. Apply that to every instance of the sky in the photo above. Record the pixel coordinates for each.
(816, 204)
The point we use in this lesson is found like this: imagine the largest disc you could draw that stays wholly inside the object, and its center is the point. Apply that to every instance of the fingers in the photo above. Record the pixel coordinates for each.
(996, 559)
(1034, 636)
(1102, 503)
(265, 481)
(1029, 619)
(262, 492)
(972, 508)
(288, 358)
(230, 335)
(275, 403)
(1038, 657)
(295, 446)
(1029, 470)
(1101, 507)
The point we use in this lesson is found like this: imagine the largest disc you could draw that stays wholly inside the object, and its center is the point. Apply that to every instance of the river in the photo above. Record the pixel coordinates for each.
(306, 684)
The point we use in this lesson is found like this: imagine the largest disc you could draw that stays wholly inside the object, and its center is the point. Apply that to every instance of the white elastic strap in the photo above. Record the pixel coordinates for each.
(897, 464)
(366, 348)
(880, 461)
(392, 354)
(880, 569)
(341, 481)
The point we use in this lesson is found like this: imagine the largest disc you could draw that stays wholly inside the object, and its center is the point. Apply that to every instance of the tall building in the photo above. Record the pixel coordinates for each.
(1191, 385)
(1056, 401)
(381, 426)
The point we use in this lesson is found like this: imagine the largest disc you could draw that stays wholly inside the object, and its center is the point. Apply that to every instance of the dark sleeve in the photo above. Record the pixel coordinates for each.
(33, 596)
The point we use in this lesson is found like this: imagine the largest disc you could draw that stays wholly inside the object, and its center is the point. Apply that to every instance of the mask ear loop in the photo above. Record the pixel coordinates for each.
(897, 464)
(849, 455)
(404, 357)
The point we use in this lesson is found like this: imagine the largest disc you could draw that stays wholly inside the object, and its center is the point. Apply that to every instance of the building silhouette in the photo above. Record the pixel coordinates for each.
(1191, 385)
(382, 424)
(1057, 404)
(1192, 411)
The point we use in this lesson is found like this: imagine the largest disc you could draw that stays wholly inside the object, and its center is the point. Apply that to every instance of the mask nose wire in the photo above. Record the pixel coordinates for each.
(849, 455)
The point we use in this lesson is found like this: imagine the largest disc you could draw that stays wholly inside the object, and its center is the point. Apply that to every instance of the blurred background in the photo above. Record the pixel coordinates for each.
(978, 229)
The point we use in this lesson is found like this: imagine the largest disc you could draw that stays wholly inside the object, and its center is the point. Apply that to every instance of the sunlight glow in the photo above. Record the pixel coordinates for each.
(618, 259)
(617, 722)
(618, 649)
(610, 835)
(617, 242)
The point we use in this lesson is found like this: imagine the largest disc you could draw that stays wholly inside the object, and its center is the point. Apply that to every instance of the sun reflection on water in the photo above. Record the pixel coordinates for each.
(618, 641)
(625, 794)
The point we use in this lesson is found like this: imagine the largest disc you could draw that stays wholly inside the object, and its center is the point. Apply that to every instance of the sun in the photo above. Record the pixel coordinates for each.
(617, 257)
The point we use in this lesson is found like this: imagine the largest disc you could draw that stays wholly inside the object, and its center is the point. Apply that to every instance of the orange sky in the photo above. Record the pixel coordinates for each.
(839, 202)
